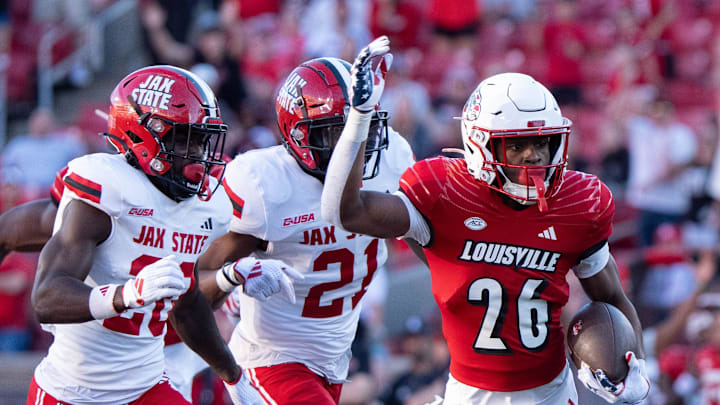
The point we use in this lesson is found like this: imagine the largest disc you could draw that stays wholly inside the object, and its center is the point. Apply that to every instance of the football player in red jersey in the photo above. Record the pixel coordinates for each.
(129, 229)
(500, 228)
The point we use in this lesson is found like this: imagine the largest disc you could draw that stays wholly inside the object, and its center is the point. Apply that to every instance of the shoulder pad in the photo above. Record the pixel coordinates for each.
(424, 182)
(99, 179)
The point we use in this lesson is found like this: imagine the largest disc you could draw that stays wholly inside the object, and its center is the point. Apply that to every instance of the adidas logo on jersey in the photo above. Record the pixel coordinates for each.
(207, 224)
(548, 234)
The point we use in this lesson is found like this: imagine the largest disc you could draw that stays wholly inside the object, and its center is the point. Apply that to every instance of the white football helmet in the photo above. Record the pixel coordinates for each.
(514, 105)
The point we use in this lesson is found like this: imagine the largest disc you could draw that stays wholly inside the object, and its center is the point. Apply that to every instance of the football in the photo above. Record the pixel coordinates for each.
(599, 335)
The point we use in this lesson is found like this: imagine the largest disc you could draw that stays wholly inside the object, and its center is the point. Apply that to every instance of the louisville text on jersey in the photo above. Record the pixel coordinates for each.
(154, 92)
(181, 242)
(510, 255)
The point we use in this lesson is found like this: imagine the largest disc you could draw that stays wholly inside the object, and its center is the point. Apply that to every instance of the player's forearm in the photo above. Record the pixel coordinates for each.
(209, 288)
(195, 324)
(344, 173)
(61, 300)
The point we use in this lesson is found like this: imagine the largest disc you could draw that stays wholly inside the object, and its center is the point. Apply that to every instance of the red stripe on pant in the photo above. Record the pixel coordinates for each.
(293, 383)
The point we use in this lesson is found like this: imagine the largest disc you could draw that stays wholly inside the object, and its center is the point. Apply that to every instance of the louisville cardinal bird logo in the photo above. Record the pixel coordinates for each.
(577, 327)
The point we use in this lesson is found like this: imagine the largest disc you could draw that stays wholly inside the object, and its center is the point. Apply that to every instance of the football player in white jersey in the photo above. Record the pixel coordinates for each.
(129, 230)
(299, 353)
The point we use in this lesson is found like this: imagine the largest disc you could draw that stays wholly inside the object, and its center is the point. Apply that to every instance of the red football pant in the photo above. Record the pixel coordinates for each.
(293, 383)
(160, 393)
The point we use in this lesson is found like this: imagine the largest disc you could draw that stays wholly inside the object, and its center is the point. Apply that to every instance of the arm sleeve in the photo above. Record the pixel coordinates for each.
(419, 229)
(594, 263)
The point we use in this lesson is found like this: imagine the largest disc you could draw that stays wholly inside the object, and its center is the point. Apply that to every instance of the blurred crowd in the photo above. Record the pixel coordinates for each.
(640, 79)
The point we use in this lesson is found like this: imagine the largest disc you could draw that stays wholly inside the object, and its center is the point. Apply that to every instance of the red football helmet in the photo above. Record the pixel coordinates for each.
(311, 108)
(166, 122)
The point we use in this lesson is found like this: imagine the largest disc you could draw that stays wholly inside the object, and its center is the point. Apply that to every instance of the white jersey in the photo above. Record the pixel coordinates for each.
(116, 360)
(276, 201)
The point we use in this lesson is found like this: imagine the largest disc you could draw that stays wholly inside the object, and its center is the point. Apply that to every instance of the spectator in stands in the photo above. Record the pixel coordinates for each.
(209, 44)
(417, 344)
(661, 149)
(16, 278)
(400, 20)
(564, 44)
(32, 160)
(173, 17)
(411, 104)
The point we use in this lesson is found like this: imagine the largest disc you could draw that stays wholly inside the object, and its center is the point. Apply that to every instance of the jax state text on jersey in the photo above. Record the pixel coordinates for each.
(181, 242)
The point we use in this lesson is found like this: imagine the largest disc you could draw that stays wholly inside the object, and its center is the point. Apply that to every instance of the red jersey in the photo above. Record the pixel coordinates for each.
(708, 365)
(498, 274)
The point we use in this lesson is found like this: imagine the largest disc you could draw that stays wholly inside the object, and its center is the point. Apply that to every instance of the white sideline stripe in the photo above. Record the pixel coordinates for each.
(264, 394)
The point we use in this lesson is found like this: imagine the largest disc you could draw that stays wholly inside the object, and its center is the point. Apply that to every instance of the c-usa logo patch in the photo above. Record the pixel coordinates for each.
(475, 223)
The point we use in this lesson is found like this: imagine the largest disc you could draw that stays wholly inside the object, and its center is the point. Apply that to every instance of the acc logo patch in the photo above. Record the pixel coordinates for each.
(475, 223)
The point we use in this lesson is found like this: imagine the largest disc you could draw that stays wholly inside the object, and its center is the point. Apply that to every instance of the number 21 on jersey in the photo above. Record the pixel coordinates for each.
(346, 259)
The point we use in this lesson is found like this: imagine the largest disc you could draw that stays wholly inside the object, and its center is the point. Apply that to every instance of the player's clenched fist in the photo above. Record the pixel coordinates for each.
(260, 278)
(162, 279)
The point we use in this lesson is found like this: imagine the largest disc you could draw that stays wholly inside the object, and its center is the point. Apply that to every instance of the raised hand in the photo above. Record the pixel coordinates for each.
(162, 279)
(367, 84)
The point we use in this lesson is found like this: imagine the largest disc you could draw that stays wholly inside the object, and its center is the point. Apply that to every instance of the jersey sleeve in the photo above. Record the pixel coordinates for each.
(602, 217)
(423, 183)
(58, 186)
(248, 208)
(93, 180)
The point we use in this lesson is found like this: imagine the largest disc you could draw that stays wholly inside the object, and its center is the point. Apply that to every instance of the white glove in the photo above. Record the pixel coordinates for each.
(632, 390)
(367, 86)
(263, 278)
(243, 393)
(231, 307)
(162, 279)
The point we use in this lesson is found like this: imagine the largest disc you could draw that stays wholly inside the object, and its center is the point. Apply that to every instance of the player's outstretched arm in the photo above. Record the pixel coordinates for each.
(370, 213)
(27, 227)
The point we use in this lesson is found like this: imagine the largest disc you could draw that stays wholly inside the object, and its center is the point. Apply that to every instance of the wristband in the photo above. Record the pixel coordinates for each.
(223, 281)
(357, 125)
(101, 301)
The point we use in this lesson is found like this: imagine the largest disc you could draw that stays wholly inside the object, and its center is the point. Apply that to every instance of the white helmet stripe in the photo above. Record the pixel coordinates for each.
(206, 93)
(341, 71)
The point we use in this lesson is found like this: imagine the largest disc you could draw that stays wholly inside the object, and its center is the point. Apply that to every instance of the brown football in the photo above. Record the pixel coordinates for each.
(600, 335)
